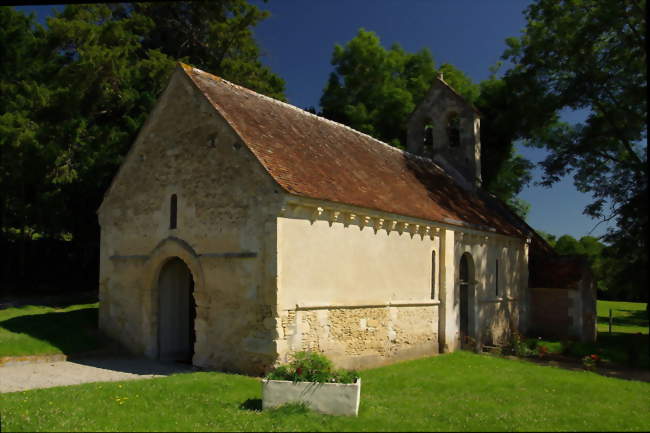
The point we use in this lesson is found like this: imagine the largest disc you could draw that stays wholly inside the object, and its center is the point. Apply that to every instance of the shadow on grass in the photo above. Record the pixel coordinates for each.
(620, 348)
(71, 331)
(252, 404)
(58, 300)
(134, 365)
(626, 318)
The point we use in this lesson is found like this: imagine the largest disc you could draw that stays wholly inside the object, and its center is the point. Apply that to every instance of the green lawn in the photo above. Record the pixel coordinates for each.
(38, 330)
(627, 317)
(460, 392)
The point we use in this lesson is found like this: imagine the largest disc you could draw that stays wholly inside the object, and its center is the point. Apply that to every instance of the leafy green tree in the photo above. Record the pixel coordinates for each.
(504, 172)
(74, 96)
(215, 36)
(26, 162)
(568, 245)
(374, 90)
(548, 237)
(590, 55)
(599, 257)
(113, 62)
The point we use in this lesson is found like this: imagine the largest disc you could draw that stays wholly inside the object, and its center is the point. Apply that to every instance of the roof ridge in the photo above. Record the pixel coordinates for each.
(307, 113)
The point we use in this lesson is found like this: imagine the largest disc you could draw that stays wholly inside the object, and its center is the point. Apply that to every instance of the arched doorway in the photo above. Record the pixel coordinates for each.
(465, 279)
(176, 312)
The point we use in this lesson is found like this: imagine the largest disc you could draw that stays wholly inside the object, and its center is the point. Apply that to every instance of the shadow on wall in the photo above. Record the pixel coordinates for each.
(71, 332)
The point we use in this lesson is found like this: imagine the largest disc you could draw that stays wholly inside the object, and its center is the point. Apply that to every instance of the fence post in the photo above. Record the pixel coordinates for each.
(610, 320)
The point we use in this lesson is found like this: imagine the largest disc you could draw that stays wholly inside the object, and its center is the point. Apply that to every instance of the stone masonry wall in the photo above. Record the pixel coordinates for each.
(225, 234)
(363, 337)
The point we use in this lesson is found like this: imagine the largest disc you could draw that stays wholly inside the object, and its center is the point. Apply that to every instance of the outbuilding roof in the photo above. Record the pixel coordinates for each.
(314, 157)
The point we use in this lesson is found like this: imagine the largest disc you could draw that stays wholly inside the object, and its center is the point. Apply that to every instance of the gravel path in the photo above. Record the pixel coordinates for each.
(48, 374)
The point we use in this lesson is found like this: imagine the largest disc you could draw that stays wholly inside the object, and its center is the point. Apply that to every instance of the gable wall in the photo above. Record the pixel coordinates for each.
(225, 234)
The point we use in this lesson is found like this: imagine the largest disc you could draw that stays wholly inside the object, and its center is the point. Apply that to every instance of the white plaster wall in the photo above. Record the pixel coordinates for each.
(339, 265)
(495, 313)
(360, 294)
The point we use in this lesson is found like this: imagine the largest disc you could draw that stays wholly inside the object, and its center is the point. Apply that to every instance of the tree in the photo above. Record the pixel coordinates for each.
(113, 62)
(568, 245)
(215, 36)
(548, 237)
(374, 90)
(590, 55)
(26, 162)
(77, 93)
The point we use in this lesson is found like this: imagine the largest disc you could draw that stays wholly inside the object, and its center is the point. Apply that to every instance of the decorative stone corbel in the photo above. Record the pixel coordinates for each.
(364, 221)
(349, 219)
(379, 224)
(316, 213)
(333, 216)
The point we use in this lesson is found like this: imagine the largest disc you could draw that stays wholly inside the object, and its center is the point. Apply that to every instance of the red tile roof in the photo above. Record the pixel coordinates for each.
(314, 157)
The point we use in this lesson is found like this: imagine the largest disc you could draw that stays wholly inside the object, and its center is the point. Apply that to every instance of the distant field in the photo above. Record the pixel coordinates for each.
(627, 317)
(40, 330)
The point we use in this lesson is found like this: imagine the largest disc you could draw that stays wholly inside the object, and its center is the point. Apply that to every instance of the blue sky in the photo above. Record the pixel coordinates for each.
(298, 39)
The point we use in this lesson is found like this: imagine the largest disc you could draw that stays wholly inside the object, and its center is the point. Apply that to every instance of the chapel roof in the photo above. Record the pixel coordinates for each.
(314, 157)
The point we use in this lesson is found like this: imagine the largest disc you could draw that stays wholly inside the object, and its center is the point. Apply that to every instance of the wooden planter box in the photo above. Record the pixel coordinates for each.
(329, 398)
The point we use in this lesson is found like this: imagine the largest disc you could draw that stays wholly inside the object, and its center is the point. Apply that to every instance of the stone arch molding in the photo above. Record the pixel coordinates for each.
(166, 250)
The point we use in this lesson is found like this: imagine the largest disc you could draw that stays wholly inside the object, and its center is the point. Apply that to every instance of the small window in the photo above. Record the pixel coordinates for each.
(428, 136)
(496, 278)
(453, 130)
(433, 274)
(173, 210)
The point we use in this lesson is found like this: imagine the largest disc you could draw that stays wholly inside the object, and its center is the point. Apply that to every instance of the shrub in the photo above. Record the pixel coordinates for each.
(520, 347)
(312, 367)
(567, 347)
(542, 351)
(590, 362)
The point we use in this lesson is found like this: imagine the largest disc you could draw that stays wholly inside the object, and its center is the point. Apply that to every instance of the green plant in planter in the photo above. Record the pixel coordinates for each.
(312, 367)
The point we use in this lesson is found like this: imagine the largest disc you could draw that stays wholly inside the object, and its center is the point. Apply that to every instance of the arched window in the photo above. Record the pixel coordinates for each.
(463, 273)
(453, 129)
(433, 274)
(173, 210)
(428, 137)
(496, 278)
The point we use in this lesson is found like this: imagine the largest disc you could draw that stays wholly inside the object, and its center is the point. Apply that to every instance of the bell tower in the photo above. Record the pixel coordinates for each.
(446, 128)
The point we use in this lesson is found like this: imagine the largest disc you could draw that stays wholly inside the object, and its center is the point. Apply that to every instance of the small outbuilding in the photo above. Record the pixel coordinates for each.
(240, 229)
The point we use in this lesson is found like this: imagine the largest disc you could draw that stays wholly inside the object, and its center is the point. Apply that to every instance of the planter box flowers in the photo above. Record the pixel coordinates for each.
(309, 379)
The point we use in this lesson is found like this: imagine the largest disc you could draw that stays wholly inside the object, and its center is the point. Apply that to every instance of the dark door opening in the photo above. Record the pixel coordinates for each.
(176, 312)
(464, 280)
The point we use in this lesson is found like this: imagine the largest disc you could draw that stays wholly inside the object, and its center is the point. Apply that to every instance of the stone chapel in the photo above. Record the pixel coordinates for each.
(240, 229)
